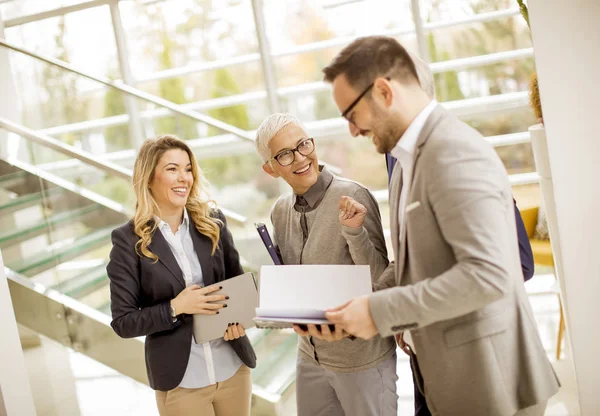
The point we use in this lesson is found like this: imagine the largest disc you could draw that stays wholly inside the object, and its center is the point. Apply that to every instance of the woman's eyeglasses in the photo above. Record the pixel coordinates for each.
(287, 157)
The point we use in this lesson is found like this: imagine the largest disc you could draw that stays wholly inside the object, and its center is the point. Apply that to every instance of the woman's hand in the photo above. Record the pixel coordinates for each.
(195, 299)
(234, 331)
(352, 213)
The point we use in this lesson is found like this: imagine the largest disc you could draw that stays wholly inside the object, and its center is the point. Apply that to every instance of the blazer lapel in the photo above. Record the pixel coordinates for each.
(160, 247)
(433, 119)
(395, 188)
(203, 247)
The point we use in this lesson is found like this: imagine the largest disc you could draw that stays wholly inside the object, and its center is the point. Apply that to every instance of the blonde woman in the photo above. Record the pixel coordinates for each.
(164, 266)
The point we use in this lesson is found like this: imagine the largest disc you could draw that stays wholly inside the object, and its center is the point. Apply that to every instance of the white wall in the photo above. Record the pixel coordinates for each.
(566, 38)
(14, 382)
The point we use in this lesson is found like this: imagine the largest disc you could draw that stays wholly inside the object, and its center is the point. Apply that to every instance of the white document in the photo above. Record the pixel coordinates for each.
(302, 293)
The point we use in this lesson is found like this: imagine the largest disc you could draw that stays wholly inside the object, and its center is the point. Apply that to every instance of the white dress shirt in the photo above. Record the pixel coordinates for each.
(210, 362)
(404, 152)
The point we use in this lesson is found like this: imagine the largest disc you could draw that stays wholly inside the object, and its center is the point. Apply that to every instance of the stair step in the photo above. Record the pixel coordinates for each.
(85, 283)
(258, 336)
(12, 179)
(19, 235)
(43, 261)
(275, 359)
(29, 200)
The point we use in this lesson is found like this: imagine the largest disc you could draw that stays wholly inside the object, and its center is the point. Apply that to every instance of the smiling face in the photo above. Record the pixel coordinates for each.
(172, 181)
(304, 170)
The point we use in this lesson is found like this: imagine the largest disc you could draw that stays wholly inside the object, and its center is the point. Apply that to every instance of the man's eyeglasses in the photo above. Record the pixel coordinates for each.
(351, 106)
(362, 94)
(287, 157)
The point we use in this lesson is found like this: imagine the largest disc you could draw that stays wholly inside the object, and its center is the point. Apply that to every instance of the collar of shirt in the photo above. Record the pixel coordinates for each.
(315, 193)
(407, 143)
(185, 222)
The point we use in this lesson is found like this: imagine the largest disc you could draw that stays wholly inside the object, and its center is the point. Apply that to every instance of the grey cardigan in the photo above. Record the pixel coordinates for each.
(329, 242)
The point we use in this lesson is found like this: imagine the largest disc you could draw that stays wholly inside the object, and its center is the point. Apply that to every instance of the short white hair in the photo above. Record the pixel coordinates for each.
(425, 75)
(269, 129)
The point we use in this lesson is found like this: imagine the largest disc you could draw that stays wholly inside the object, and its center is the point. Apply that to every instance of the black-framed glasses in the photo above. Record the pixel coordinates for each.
(287, 157)
(362, 94)
(351, 106)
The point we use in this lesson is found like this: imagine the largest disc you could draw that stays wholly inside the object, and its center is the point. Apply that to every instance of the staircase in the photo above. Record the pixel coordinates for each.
(54, 237)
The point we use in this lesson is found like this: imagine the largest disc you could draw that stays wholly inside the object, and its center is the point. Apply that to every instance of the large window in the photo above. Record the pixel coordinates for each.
(205, 55)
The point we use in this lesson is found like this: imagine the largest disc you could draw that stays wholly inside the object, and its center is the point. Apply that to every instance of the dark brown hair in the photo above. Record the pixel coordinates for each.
(370, 57)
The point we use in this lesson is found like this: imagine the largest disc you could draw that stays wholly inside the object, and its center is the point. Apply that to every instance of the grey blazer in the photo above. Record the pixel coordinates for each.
(457, 282)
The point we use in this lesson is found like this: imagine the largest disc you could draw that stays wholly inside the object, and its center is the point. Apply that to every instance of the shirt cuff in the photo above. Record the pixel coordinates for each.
(167, 313)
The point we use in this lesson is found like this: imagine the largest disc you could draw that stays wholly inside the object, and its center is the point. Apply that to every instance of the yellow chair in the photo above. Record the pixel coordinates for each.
(542, 255)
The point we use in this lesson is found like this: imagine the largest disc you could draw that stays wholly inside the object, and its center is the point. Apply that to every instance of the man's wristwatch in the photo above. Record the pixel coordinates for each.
(173, 312)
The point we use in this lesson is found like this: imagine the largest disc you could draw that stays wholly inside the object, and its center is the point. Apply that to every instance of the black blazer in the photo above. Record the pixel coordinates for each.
(141, 291)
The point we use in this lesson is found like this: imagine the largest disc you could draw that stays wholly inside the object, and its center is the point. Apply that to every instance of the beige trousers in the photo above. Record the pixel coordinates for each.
(228, 398)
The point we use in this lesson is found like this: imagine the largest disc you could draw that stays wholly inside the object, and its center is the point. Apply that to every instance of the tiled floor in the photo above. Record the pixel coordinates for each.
(101, 391)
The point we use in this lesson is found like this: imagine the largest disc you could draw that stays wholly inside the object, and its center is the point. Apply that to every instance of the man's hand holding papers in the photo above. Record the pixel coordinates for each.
(354, 317)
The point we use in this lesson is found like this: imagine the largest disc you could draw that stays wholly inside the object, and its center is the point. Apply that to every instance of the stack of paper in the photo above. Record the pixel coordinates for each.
(300, 294)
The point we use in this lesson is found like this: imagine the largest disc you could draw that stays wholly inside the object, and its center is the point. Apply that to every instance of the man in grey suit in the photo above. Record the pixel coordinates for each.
(455, 292)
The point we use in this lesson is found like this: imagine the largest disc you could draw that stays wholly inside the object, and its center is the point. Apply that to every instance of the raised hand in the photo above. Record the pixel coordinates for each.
(354, 317)
(352, 213)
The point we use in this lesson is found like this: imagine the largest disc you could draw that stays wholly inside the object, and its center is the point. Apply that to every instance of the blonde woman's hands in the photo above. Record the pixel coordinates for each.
(195, 299)
(352, 213)
(234, 331)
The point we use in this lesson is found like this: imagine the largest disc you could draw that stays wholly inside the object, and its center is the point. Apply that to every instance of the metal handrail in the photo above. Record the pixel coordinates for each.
(205, 148)
(65, 149)
(86, 157)
(134, 92)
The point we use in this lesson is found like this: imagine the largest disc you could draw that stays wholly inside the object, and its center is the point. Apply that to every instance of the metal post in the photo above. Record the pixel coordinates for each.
(266, 58)
(131, 104)
(419, 31)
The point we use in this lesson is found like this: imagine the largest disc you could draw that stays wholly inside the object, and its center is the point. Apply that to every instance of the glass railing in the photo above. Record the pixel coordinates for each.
(56, 232)
(63, 190)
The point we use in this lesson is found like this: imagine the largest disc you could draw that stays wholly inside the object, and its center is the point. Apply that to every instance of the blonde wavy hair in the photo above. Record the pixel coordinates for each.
(146, 207)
